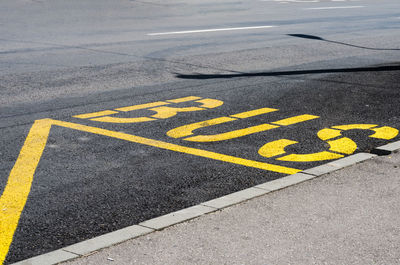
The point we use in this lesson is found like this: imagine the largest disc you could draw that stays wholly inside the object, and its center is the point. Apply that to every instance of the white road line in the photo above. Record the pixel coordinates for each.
(208, 30)
(332, 7)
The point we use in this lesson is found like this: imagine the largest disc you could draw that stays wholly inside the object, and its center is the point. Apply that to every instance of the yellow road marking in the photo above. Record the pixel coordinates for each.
(16, 192)
(231, 134)
(95, 114)
(168, 112)
(162, 112)
(275, 148)
(384, 132)
(343, 145)
(326, 134)
(324, 155)
(252, 113)
(188, 129)
(122, 120)
(295, 119)
(177, 148)
(210, 103)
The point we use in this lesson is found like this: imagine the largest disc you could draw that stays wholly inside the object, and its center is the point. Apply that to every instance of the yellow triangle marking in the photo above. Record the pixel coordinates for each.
(16, 192)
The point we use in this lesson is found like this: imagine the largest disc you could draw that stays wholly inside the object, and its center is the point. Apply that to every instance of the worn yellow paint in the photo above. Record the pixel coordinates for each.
(295, 119)
(185, 99)
(231, 134)
(252, 113)
(188, 129)
(320, 156)
(18, 186)
(384, 132)
(142, 106)
(343, 145)
(327, 133)
(95, 114)
(109, 119)
(275, 148)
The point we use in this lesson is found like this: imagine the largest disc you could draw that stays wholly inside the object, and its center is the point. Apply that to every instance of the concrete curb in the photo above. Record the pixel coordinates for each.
(107, 240)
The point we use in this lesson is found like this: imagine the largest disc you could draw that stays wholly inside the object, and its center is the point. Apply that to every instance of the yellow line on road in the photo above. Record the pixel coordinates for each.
(295, 119)
(16, 192)
(178, 148)
(19, 183)
(95, 114)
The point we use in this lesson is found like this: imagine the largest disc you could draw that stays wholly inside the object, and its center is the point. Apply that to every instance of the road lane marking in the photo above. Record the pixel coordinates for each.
(19, 183)
(176, 148)
(96, 114)
(295, 119)
(319, 156)
(332, 7)
(253, 113)
(122, 120)
(209, 30)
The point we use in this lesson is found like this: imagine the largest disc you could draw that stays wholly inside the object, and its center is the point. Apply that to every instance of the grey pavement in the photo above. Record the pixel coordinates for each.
(350, 216)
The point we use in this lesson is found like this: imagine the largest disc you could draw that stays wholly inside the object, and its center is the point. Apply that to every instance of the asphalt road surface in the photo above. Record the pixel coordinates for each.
(115, 112)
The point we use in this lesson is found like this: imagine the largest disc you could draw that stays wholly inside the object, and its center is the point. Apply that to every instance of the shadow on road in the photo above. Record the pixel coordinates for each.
(302, 72)
(312, 37)
(289, 73)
